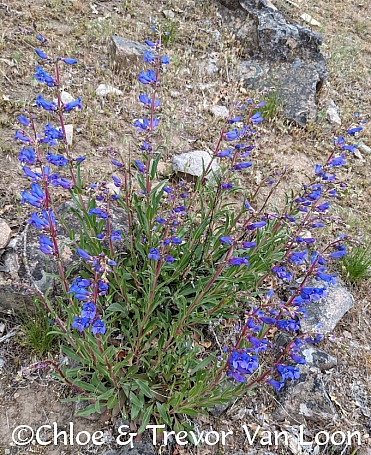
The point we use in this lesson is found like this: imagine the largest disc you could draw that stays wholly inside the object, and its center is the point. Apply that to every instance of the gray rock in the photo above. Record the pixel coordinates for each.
(127, 55)
(318, 358)
(305, 399)
(219, 111)
(328, 311)
(333, 113)
(107, 89)
(139, 448)
(280, 53)
(194, 163)
(209, 67)
(365, 148)
(5, 233)
(24, 262)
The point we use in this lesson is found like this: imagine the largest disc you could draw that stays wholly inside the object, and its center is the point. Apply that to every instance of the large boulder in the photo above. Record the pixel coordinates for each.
(278, 53)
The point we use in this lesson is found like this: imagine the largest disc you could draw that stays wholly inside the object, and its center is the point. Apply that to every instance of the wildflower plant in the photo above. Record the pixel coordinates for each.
(134, 318)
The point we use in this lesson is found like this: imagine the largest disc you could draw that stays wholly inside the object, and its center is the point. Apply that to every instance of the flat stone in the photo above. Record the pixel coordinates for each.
(364, 148)
(69, 133)
(107, 89)
(25, 263)
(318, 358)
(194, 163)
(324, 314)
(279, 53)
(5, 233)
(333, 113)
(219, 111)
(305, 399)
(127, 55)
(310, 20)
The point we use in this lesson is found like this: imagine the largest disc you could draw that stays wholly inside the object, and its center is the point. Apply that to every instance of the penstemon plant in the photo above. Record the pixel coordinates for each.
(134, 318)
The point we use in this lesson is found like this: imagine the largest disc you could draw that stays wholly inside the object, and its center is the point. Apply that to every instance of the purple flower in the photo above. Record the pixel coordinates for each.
(337, 161)
(277, 385)
(46, 245)
(40, 102)
(56, 160)
(323, 207)
(148, 57)
(268, 320)
(227, 186)
(154, 254)
(100, 213)
(297, 257)
(80, 323)
(257, 118)
(257, 225)
(240, 166)
(98, 327)
(88, 311)
(140, 166)
(83, 254)
(116, 181)
(44, 77)
(247, 245)
(169, 259)
(353, 131)
(296, 358)
(226, 239)
(147, 78)
(167, 189)
(160, 220)
(55, 180)
(19, 136)
(116, 235)
(23, 120)
(76, 103)
(176, 240)
(69, 61)
(41, 54)
(27, 155)
(239, 261)
(231, 135)
(117, 163)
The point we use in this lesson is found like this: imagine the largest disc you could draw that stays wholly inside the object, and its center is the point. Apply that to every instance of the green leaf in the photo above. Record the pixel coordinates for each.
(91, 409)
(164, 413)
(144, 388)
(145, 419)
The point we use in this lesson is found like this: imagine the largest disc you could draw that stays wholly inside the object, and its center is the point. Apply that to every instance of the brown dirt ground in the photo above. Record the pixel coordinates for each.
(82, 29)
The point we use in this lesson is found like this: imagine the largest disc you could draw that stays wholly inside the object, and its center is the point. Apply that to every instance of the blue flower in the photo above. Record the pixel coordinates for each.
(160, 220)
(281, 273)
(33, 175)
(148, 57)
(51, 134)
(140, 166)
(226, 186)
(297, 257)
(20, 137)
(353, 131)
(56, 160)
(231, 135)
(165, 60)
(288, 372)
(176, 240)
(276, 384)
(154, 254)
(341, 251)
(41, 38)
(337, 161)
(44, 221)
(69, 61)
(150, 43)
(35, 197)
(83, 254)
(80, 323)
(23, 120)
(55, 180)
(257, 225)
(100, 213)
(239, 261)
(167, 189)
(27, 155)
(240, 166)
(235, 119)
(88, 311)
(146, 100)
(147, 78)
(116, 235)
(44, 77)
(169, 259)
(247, 245)
(46, 245)
(40, 102)
(225, 153)
(41, 54)
(257, 118)
(80, 159)
(102, 287)
(76, 103)
(226, 239)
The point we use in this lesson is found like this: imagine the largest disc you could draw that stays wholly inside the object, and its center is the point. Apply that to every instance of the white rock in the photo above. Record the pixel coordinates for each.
(194, 163)
(66, 97)
(168, 13)
(333, 113)
(365, 148)
(220, 111)
(5, 233)
(106, 89)
(69, 133)
(308, 18)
